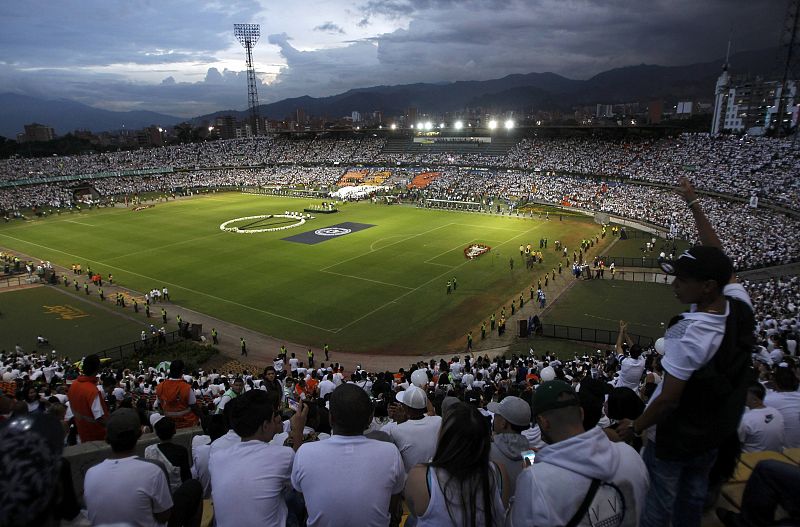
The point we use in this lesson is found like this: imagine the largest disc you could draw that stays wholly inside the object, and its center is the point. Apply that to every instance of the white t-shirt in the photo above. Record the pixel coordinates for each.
(228, 440)
(788, 404)
(293, 362)
(761, 429)
(326, 387)
(248, 481)
(127, 491)
(415, 439)
(330, 502)
(692, 342)
(630, 373)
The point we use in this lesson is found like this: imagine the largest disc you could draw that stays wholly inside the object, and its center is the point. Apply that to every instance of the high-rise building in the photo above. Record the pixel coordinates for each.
(36, 132)
(751, 105)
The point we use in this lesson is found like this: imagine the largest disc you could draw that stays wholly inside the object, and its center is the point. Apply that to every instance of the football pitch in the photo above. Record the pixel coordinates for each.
(369, 278)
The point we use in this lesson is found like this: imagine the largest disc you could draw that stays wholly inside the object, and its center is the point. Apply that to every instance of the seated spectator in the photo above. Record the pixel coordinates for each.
(31, 449)
(761, 427)
(414, 431)
(512, 415)
(248, 479)
(773, 484)
(125, 488)
(373, 470)
(174, 458)
(568, 476)
(786, 399)
(460, 485)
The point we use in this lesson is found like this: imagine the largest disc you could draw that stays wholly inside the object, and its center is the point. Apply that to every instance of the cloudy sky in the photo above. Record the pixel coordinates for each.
(180, 57)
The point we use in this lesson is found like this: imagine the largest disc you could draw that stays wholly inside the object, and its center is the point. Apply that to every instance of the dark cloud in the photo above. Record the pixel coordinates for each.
(427, 41)
(329, 27)
(42, 33)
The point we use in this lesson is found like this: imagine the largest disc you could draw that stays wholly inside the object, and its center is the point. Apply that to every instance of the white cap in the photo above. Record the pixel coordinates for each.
(413, 397)
(547, 374)
(154, 418)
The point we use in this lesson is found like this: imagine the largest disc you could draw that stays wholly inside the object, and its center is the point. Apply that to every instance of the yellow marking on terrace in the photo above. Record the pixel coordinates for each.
(65, 312)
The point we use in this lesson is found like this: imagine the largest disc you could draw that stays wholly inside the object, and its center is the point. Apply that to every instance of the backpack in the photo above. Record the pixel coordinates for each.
(713, 400)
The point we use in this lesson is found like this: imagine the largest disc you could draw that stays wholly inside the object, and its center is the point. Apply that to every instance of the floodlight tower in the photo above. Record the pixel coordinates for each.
(790, 45)
(248, 34)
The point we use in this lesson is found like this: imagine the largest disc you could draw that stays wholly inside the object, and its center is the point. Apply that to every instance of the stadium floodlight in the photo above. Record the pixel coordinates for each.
(459, 125)
(441, 125)
(394, 126)
(428, 125)
(509, 124)
(411, 126)
(420, 126)
(247, 35)
(492, 124)
(210, 128)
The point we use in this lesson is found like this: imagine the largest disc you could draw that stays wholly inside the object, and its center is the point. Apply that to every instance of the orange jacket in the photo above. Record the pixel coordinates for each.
(173, 397)
(81, 396)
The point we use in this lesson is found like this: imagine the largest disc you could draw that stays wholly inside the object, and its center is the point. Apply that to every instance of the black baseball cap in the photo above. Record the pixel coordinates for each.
(702, 263)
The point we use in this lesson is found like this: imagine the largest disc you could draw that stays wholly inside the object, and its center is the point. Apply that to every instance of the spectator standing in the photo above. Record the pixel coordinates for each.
(369, 490)
(706, 366)
(87, 405)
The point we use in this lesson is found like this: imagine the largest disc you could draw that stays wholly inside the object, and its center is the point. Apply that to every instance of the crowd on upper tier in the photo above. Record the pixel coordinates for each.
(766, 167)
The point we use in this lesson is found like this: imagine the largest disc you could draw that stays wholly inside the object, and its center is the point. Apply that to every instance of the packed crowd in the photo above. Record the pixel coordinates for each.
(742, 167)
(627, 436)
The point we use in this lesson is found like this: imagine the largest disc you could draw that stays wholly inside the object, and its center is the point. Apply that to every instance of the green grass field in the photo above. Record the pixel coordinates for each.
(74, 327)
(600, 304)
(381, 289)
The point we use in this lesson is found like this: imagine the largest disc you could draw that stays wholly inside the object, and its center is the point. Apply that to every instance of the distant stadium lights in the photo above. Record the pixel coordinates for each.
(420, 126)
(459, 125)
(412, 126)
(509, 124)
(441, 125)
(428, 125)
(394, 126)
(210, 128)
(492, 124)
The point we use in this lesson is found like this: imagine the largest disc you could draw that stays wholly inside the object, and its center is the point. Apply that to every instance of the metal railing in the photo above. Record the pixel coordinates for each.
(632, 276)
(598, 336)
(118, 353)
(632, 261)
(16, 280)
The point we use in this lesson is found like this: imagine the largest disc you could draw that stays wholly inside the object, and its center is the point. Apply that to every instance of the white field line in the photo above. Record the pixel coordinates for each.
(447, 251)
(79, 223)
(390, 302)
(484, 227)
(176, 286)
(150, 249)
(367, 280)
(387, 246)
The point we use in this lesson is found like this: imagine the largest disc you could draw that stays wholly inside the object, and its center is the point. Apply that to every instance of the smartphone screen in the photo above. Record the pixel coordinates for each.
(528, 456)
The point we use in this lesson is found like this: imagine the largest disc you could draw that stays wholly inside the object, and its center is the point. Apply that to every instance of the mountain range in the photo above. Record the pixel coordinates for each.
(521, 92)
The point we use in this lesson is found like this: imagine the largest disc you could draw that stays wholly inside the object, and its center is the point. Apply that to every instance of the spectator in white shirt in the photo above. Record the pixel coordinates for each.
(761, 427)
(125, 489)
(416, 428)
(249, 480)
(786, 399)
(369, 491)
